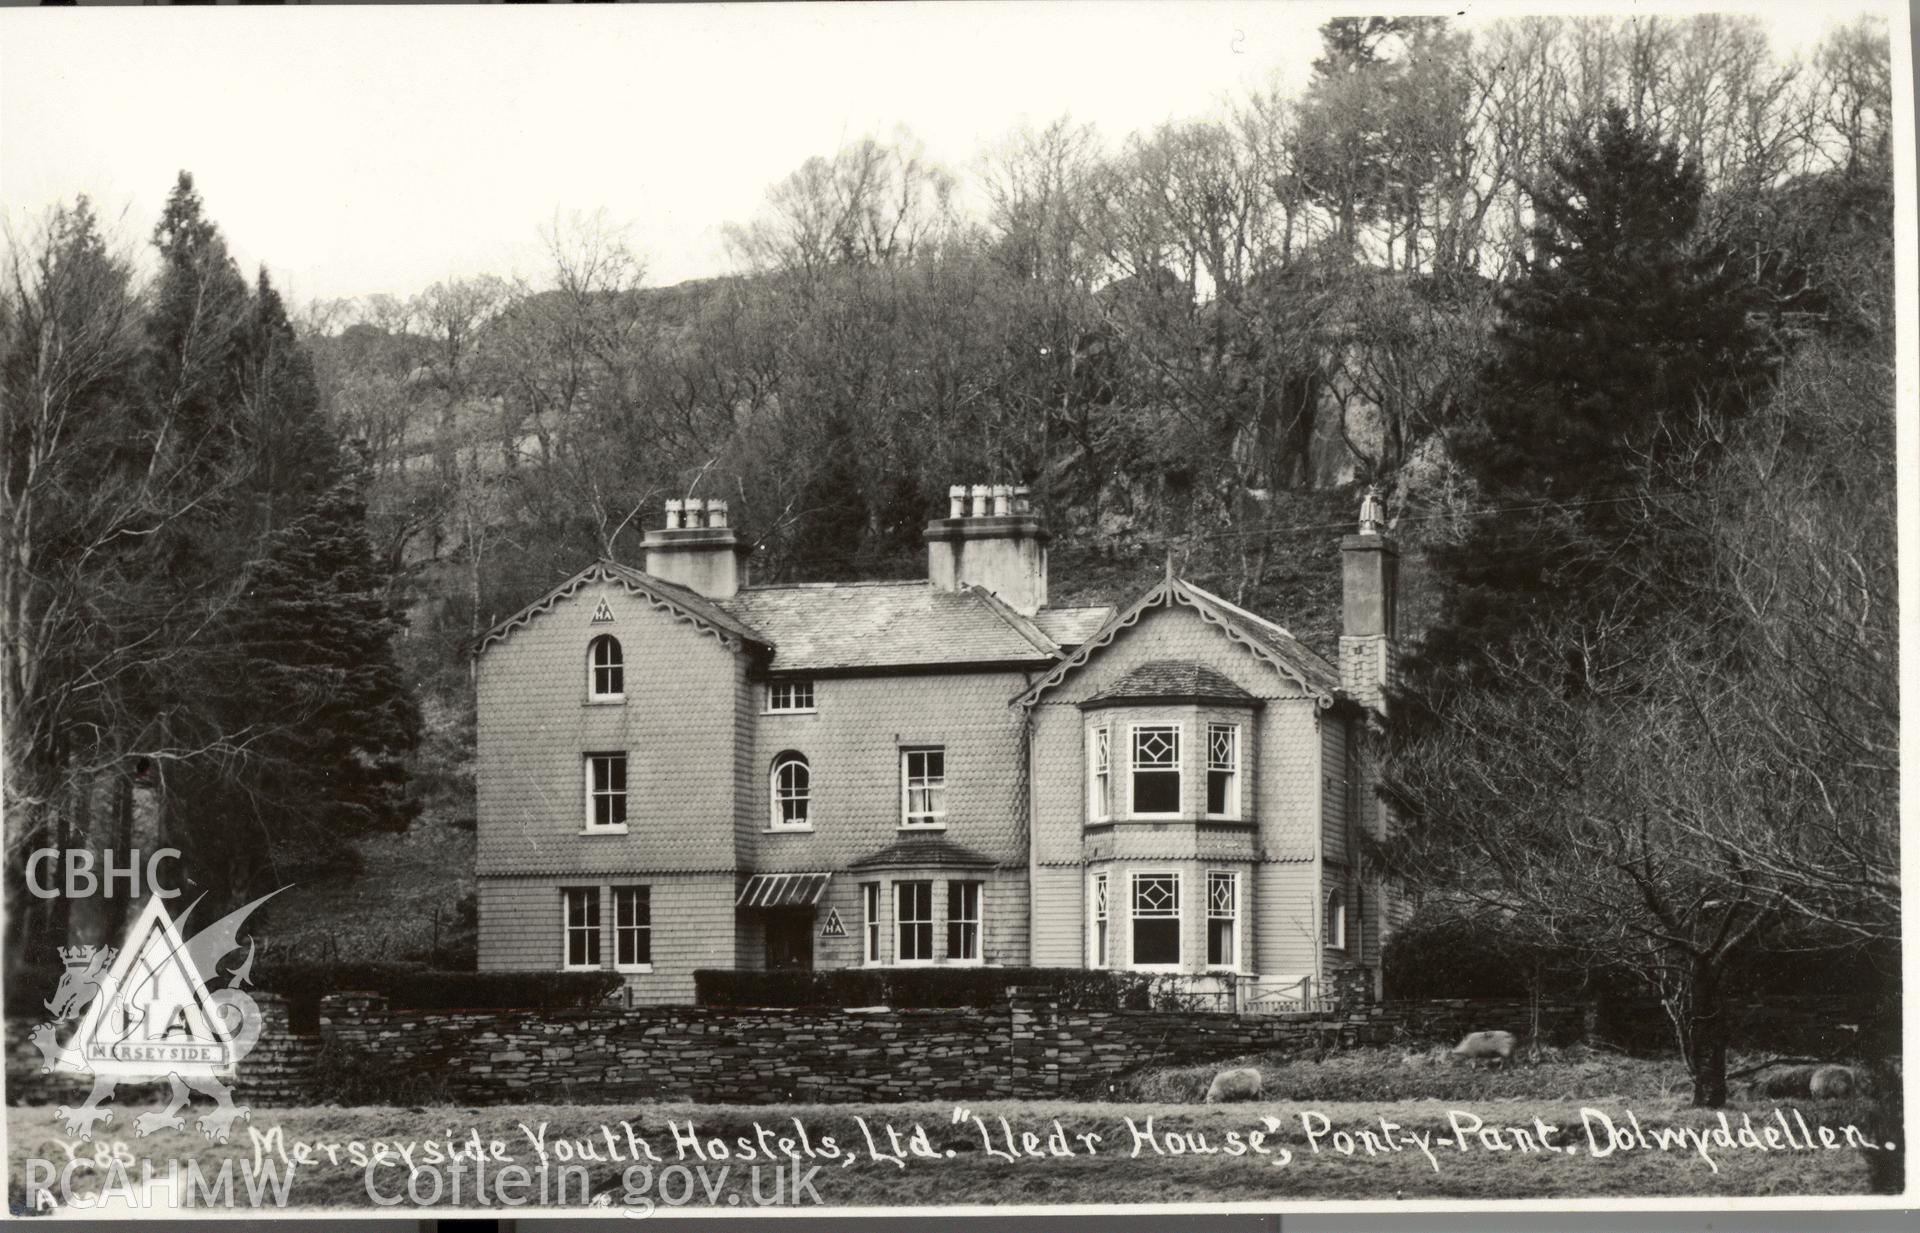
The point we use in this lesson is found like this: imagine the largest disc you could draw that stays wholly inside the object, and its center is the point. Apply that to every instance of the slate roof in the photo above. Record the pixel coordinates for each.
(690, 605)
(692, 601)
(1172, 678)
(1304, 659)
(1287, 653)
(924, 852)
(850, 625)
(1071, 626)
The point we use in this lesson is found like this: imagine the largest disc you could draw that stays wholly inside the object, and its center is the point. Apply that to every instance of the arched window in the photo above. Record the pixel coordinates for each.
(606, 670)
(792, 791)
(1336, 920)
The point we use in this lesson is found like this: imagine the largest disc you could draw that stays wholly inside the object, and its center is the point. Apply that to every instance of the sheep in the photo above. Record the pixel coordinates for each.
(1489, 1045)
(1242, 1083)
(1833, 1083)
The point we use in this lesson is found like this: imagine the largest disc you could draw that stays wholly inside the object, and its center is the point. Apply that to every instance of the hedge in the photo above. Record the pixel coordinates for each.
(938, 988)
(415, 986)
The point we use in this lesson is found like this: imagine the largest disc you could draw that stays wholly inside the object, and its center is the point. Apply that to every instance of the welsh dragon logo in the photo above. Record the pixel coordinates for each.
(146, 1012)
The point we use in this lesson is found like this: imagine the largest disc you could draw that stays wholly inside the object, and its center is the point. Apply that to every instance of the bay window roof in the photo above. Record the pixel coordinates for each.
(1166, 681)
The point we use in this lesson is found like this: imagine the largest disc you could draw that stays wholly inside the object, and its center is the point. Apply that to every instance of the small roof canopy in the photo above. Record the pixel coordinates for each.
(782, 890)
(925, 852)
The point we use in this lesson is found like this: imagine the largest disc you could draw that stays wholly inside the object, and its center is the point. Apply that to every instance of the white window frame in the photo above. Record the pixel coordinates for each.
(1230, 767)
(870, 926)
(1179, 773)
(1100, 773)
(1336, 923)
(1100, 908)
(591, 825)
(590, 929)
(1134, 915)
(1231, 879)
(792, 700)
(621, 896)
(902, 922)
(595, 668)
(957, 892)
(778, 796)
(935, 816)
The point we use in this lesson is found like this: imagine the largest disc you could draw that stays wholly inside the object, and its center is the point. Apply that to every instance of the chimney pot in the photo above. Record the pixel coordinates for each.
(992, 542)
(675, 519)
(716, 513)
(1372, 513)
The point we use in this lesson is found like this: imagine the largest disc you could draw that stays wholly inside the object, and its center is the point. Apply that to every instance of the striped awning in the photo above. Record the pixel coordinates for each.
(782, 890)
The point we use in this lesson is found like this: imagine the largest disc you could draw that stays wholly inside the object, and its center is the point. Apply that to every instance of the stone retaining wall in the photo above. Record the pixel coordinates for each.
(1031, 1047)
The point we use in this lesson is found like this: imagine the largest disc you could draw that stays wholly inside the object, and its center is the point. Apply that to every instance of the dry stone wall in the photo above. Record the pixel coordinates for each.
(1031, 1047)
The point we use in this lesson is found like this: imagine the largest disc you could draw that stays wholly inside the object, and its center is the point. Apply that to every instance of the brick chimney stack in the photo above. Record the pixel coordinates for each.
(1371, 580)
(696, 549)
(990, 539)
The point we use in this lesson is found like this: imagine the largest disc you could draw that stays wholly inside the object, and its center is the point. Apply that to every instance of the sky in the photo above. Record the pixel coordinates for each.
(359, 150)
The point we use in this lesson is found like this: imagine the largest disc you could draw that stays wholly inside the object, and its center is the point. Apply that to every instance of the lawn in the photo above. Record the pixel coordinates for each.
(1059, 1152)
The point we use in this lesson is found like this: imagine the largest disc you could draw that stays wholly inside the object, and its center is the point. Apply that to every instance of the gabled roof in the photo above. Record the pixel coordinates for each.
(696, 610)
(1070, 627)
(924, 852)
(1173, 678)
(1267, 641)
(818, 627)
(1322, 675)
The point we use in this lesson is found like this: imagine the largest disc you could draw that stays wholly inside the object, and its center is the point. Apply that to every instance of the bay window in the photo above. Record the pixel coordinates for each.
(1156, 770)
(1156, 920)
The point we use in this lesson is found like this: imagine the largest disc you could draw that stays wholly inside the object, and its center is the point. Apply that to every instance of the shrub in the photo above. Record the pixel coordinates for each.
(415, 986)
(940, 988)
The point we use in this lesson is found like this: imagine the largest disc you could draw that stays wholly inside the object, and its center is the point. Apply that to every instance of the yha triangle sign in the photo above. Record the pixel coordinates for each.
(833, 928)
(155, 1016)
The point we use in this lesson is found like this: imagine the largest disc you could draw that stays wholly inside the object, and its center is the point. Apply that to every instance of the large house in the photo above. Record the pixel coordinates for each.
(679, 772)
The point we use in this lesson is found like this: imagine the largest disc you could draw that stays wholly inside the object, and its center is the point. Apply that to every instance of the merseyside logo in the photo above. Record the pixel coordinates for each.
(145, 1012)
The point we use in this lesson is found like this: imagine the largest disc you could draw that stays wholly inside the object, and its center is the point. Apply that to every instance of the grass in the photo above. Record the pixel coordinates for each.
(1122, 1168)
(1389, 1074)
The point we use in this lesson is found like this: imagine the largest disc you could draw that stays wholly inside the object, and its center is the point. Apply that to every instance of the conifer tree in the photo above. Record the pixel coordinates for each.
(1560, 725)
(1622, 351)
(320, 717)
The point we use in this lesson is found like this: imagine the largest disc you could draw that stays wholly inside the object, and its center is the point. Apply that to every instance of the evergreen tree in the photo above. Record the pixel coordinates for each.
(319, 714)
(294, 456)
(1622, 352)
(1561, 723)
(196, 331)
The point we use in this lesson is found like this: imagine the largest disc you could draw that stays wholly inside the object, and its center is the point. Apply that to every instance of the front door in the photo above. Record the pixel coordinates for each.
(790, 940)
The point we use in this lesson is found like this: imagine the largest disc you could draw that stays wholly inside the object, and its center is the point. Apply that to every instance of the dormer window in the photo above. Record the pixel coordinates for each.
(606, 670)
(1156, 770)
(789, 696)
